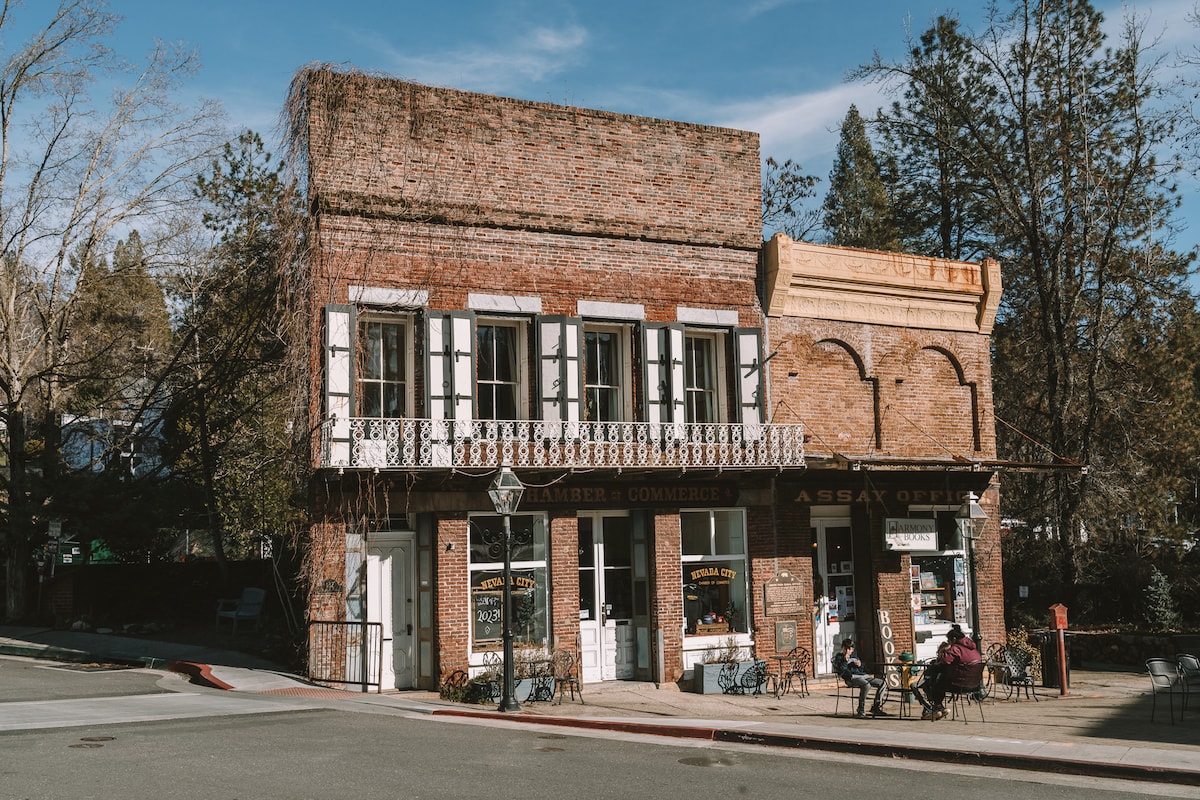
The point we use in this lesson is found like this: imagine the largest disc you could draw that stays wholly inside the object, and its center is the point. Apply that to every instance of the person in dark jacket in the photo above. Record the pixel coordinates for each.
(849, 668)
(957, 652)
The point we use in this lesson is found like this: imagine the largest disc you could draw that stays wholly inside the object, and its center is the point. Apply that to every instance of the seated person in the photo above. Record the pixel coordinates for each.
(956, 652)
(850, 669)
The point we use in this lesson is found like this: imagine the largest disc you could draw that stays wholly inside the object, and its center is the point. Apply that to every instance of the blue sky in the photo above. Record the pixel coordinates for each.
(777, 67)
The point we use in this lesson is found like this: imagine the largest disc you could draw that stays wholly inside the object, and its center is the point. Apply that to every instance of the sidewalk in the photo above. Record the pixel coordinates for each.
(1101, 727)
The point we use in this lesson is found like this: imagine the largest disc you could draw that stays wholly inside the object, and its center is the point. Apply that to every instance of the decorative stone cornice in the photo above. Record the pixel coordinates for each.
(870, 286)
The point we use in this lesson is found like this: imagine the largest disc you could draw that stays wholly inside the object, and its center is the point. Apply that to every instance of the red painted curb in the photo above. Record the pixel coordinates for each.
(199, 673)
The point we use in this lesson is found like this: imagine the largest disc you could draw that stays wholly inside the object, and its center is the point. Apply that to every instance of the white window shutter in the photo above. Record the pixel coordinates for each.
(662, 373)
(339, 381)
(560, 377)
(750, 380)
(450, 365)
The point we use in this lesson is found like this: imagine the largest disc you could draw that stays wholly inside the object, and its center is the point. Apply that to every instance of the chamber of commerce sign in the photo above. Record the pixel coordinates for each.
(631, 496)
(910, 534)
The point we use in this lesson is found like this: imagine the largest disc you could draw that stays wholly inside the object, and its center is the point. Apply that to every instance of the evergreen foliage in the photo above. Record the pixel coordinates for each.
(1160, 609)
(1037, 142)
(226, 423)
(857, 212)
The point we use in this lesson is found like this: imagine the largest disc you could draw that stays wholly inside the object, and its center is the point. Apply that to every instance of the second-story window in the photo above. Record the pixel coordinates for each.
(700, 378)
(498, 378)
(382, 369)
(604, 372)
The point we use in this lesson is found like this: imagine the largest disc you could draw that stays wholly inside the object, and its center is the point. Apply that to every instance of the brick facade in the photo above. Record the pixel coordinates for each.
(445, 196)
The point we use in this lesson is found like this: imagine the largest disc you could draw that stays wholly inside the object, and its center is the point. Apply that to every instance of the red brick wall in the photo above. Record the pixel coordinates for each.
(881, 391)
(564, 578)
(666, 605)
(452, 596)
(392, 148)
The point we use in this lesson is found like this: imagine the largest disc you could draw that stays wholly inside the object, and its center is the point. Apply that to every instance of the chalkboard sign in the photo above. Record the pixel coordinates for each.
(487, 613)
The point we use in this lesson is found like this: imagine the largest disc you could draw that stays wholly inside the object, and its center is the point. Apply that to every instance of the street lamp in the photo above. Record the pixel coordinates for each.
(973, 518)
(506, 491)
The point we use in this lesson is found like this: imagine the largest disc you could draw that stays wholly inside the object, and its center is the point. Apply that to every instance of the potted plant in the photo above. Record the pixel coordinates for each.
(728, 669)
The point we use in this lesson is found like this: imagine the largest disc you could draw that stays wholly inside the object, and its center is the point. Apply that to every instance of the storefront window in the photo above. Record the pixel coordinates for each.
(714, 572)
(530, 586)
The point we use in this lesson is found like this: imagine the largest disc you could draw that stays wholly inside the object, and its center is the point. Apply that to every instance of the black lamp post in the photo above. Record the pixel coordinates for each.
(973, 518)
(506, 491)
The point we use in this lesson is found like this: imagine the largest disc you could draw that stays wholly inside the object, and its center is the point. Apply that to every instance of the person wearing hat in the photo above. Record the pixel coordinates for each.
(956, 652)
(849, 668)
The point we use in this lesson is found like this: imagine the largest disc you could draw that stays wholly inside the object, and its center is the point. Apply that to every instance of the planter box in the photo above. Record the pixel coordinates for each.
(707, 678)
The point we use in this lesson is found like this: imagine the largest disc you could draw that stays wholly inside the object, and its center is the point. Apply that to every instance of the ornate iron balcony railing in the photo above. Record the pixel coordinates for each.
(368, 443)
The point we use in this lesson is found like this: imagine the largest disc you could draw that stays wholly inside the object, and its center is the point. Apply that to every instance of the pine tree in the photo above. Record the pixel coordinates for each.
(1057, 131)
(857, 212)
(1160, 610)
(226, 421)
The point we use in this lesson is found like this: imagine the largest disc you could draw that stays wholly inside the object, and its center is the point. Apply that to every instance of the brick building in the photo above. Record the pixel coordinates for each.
(718, 438)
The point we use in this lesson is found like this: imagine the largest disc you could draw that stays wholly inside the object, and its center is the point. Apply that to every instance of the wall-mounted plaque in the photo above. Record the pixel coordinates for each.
(783, 596)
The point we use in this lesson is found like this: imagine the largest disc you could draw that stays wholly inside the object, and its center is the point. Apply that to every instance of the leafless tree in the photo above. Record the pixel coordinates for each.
(91, 147)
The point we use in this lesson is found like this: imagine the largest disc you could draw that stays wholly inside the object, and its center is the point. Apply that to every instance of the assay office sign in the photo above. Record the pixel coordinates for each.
(903, 533)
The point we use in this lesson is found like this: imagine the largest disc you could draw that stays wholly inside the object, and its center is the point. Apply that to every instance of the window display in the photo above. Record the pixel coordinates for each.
(714, 572)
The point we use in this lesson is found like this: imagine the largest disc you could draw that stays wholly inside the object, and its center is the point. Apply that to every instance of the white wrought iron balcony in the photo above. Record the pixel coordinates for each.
(369, 443)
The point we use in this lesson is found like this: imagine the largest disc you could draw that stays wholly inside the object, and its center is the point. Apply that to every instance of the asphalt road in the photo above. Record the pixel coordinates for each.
(329, 753)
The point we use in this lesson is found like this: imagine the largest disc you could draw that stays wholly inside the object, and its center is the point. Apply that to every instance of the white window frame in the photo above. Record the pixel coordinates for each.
(743, 602)
(521, 378)
(542, 528)
(623, 368)
(405, 323)
(716, 344)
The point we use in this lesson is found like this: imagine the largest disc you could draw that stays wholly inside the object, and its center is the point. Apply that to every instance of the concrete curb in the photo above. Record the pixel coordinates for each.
(199, 673)
(909, 752)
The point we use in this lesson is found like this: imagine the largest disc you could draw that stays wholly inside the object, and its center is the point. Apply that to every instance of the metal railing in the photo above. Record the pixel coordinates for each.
(370, 443)
(346, 653)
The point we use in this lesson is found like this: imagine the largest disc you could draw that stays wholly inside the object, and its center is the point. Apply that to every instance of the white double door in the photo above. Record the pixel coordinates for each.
(390, 601)
(607, 638)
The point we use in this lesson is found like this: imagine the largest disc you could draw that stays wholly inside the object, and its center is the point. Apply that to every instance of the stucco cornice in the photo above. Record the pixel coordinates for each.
(869, 286)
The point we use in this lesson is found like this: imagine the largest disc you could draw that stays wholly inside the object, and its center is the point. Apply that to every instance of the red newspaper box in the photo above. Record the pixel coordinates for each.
(1058, 617)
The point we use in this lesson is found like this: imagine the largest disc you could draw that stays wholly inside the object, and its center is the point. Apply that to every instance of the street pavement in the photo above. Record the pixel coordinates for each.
(1100, 727)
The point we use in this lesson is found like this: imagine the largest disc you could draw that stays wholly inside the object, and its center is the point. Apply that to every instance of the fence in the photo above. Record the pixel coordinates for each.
(346, 653)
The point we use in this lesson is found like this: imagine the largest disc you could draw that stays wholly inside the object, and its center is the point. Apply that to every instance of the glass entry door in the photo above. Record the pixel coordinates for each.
(608, 645)
(833, 590)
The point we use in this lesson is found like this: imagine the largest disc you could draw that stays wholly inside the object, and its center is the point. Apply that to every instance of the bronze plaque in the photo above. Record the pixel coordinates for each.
(785, 635)
(783, 596)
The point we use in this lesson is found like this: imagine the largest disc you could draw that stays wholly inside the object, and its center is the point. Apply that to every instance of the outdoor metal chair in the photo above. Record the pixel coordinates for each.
(1020, 673)
(248, 607)
(1189, 670)
(966, 686)
(1164, 678)
(794, 674)
(566, 674)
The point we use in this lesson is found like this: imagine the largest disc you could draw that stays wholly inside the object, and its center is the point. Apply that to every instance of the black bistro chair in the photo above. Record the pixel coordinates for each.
(1164, 679)
(966, 687)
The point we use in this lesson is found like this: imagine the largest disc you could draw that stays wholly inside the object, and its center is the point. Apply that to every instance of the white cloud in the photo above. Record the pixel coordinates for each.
(535, 55)
(803, 127)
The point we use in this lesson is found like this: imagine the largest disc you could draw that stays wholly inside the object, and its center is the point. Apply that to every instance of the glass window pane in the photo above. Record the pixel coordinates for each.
(370, 404)
(371, 351)
(696, 530)
(506, 354)
(485, 355)
(618, 538)
(505, 403)
(714, 594)
(729, 534)
(393, 353)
